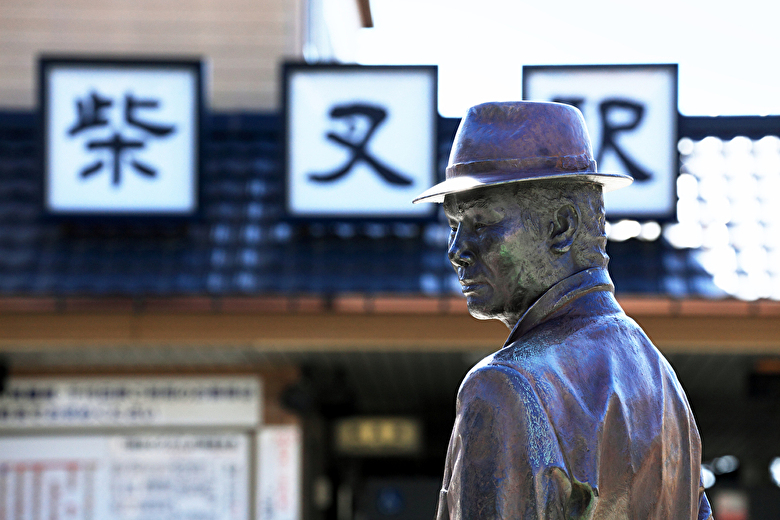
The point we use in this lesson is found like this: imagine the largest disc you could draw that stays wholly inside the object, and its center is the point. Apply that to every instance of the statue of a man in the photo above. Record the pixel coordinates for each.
(578, 415)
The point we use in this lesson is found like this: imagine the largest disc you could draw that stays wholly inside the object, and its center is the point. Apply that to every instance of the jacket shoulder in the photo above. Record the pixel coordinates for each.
(500, 387)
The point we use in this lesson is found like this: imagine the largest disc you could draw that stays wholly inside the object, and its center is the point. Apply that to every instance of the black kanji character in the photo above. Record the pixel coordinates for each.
(610, 130)
(90, 114)
(358, 148)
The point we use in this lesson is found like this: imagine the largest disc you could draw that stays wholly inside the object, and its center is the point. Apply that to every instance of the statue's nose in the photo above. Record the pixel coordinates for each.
(460, 251)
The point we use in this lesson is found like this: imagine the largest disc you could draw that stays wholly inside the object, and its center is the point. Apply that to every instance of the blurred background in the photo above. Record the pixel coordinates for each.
(240, 357)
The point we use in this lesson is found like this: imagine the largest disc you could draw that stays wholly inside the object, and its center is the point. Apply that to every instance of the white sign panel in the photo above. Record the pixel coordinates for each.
(121, 137)
(361, 141)
(130, 401)
(187, 477)
(142, 477)
(279, 473)
(631, 113)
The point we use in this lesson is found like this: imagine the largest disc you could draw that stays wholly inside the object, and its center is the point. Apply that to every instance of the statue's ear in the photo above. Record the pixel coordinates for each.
(565, 222)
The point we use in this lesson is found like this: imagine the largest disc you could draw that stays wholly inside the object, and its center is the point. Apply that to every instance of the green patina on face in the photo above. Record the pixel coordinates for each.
(502, 263)
(505, 252)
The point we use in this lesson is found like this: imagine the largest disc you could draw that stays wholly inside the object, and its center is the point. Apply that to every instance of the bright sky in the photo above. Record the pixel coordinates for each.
(726, 51)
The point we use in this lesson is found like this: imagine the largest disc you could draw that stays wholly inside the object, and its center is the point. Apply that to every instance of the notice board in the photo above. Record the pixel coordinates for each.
(125, 477)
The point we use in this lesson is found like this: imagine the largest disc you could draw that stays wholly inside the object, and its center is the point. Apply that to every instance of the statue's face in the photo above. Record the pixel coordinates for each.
(502, 258)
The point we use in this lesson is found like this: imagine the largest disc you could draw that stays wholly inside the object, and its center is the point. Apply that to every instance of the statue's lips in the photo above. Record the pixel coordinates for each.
(472, 286)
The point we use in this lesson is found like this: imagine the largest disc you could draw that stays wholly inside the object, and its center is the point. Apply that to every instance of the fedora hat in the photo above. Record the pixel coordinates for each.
(501, 143)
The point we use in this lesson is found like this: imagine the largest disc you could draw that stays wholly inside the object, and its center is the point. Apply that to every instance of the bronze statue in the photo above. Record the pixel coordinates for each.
(578, 415)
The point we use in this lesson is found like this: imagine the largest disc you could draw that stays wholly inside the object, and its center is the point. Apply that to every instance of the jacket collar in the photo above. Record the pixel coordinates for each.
(560, 295)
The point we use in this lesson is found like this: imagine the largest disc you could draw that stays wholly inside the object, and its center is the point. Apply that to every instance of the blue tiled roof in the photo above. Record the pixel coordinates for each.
(242, 245)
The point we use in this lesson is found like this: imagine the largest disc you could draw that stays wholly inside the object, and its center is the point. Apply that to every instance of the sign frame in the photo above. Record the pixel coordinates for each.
(190, 65)
(289, 70)
(669, 212)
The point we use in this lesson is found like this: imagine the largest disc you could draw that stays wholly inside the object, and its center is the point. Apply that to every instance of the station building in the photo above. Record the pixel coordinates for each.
(320, 359)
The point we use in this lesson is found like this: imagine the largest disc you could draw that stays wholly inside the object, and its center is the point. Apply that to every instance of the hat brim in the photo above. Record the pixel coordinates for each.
(609, 182)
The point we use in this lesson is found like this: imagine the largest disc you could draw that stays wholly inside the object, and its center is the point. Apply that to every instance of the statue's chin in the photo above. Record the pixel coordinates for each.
(485, 304)
(489, 310)
(482, 313)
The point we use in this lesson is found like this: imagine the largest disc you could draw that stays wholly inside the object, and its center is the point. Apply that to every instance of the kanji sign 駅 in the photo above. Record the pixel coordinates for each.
(631, 113)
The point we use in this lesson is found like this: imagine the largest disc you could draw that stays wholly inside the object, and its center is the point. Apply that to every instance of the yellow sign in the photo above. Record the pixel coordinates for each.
(378, 436)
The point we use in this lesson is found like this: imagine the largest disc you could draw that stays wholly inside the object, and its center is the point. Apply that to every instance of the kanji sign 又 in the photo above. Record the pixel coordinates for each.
(360, 140)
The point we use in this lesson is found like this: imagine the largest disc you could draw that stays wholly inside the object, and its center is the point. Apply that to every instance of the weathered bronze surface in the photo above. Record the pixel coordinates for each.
(578, 415)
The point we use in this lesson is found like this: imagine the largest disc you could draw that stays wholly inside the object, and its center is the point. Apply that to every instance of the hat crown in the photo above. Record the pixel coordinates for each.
(521, 137)
(506, 142)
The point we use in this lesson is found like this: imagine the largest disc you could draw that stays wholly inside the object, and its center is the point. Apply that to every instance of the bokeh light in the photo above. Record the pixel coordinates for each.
(774, 470)
(727, 209)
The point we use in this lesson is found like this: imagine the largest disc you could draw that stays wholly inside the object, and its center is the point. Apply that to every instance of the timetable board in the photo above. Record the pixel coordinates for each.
(125, 477)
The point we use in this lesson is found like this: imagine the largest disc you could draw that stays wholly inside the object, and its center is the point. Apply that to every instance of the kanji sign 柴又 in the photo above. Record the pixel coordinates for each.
(120, 137)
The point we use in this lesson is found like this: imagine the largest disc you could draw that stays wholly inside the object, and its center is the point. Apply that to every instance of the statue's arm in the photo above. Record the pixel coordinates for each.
(504, 460)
